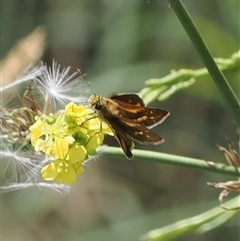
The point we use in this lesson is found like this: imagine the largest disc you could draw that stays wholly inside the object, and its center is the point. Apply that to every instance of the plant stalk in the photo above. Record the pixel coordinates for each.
(174, 160)
(217, 76)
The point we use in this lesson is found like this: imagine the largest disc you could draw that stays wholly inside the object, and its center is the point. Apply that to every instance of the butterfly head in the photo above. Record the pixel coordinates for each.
(95, 101)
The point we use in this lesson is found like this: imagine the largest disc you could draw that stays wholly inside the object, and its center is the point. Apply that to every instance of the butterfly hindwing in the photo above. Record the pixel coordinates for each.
(121, 136)
(140, 132)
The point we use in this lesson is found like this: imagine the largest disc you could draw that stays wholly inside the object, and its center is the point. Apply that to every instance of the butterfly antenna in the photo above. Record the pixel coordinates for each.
(80, 72)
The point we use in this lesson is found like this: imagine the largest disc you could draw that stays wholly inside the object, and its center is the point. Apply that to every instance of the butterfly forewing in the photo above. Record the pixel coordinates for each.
(149, 117)
(131, 99)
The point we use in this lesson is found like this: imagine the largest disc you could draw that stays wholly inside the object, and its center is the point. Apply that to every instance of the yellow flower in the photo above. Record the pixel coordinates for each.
(97, 125)
(60, 171)
(69, 138)
(67, 165)
(78, 113)
(36, 130)
(107, 129)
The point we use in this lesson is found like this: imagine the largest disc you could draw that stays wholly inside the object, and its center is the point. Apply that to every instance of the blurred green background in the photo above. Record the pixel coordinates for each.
(120, 44)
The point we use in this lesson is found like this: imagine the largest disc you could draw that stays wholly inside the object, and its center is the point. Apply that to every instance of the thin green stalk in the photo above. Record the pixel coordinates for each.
(199, 224)
(174, 160)
(217, 76)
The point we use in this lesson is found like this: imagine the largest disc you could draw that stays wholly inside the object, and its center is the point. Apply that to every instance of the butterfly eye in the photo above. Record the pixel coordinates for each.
(98, 106)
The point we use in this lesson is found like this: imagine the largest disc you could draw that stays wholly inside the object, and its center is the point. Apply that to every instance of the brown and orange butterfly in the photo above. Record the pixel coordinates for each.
(129, 119)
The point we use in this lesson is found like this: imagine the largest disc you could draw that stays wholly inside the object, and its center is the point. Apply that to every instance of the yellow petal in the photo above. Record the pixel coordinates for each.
(60, 149)
(49, 172)
(78, 168)
(36, 130)
(77, 153)
(95, 141)
(67, 175)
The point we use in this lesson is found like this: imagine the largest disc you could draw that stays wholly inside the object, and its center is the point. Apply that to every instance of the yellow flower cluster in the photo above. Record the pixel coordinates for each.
(69, 138)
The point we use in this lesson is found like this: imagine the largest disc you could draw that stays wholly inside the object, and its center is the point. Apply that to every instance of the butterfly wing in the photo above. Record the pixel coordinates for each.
(131, 99)
(134, 131)
(140, 133)
(121, 136)
(149, 117)
(130, 120)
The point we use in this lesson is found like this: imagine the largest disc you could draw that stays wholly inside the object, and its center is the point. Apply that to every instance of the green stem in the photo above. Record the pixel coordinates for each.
(217, 76)
(174, 160)
(201, 223)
